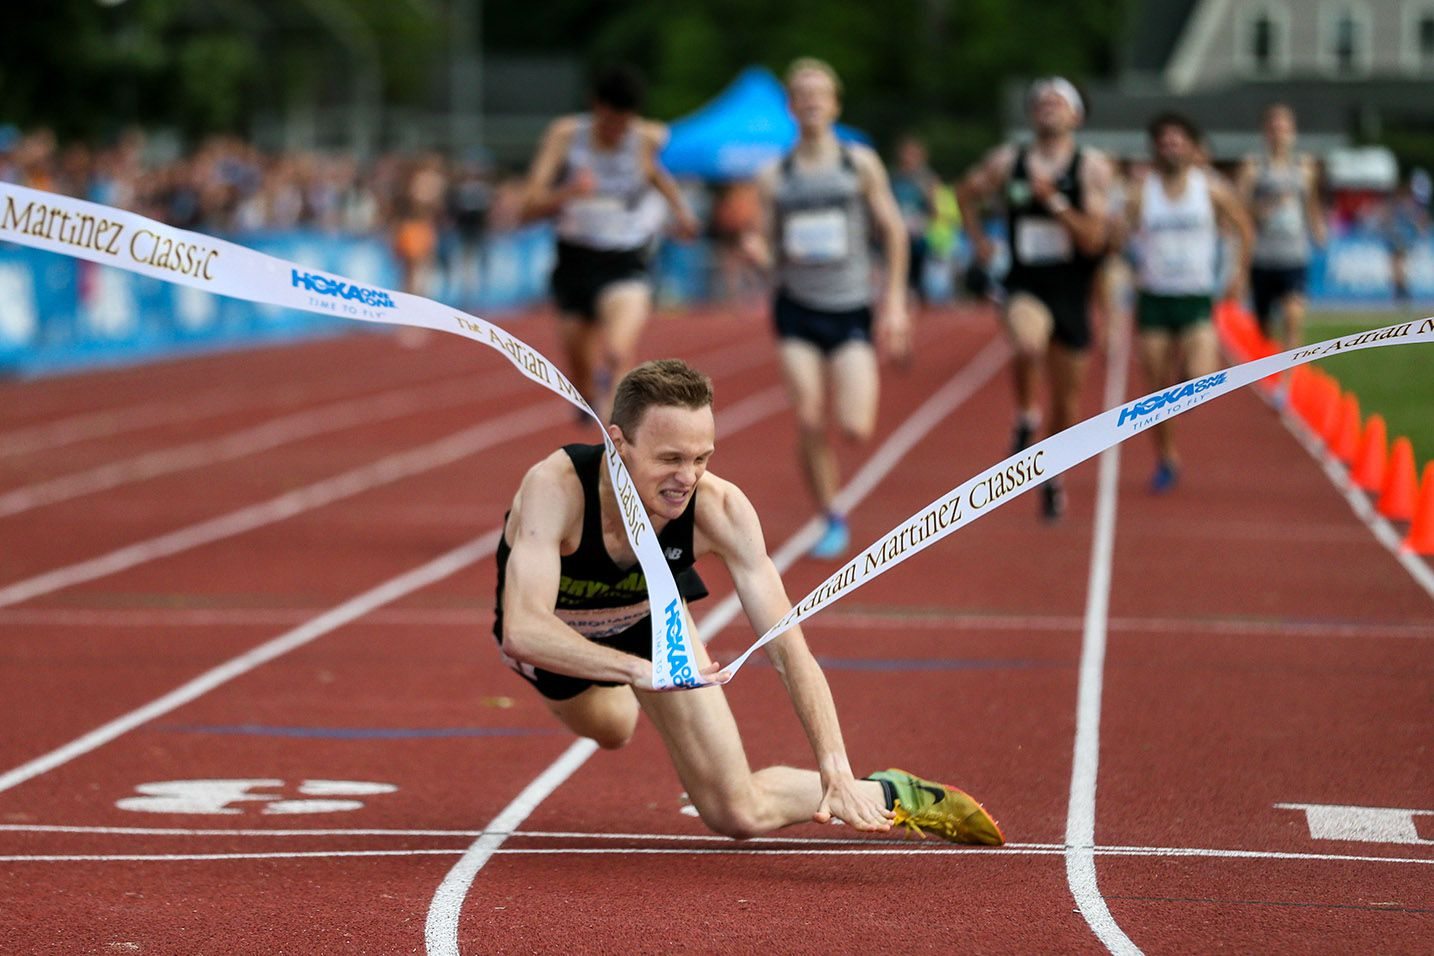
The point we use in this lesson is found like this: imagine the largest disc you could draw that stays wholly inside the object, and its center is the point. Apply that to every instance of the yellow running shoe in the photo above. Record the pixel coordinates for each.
(950, 813)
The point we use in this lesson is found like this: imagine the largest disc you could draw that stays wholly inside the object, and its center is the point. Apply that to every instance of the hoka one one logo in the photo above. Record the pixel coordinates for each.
(323, 285)
(1171, 396)
(677, 662)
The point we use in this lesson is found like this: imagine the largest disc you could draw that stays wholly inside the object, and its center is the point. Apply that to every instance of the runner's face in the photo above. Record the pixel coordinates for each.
(1052, 113)
(609, 124)
(667, 455)
(813, 99)
(1174, 150)
(1280, 129)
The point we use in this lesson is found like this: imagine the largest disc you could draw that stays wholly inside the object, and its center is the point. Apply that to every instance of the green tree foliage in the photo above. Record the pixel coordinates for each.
(935, 67)
(90, 67)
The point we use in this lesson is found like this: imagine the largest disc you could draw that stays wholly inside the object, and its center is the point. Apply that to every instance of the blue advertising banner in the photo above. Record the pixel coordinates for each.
(59, 313)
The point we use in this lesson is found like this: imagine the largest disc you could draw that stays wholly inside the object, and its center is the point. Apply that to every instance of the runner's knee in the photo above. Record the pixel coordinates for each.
(730, 819)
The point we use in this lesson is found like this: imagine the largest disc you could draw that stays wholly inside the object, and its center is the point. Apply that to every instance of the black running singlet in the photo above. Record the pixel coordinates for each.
(595, 596)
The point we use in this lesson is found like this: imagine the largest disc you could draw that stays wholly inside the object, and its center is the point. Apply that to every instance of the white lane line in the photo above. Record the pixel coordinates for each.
(1080, 814)
(918, 619)
(867, 849)
(391, 590)
(311, 423)
(375, 474)
(1383, 531)
(352, 609)
(441, 931)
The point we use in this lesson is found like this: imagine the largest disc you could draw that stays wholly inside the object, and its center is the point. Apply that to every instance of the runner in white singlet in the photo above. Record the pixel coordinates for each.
(1177, 215)
(595, 172)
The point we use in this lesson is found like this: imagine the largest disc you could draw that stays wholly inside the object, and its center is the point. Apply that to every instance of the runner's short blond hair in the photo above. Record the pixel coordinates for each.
(804, 63)
(659, 383)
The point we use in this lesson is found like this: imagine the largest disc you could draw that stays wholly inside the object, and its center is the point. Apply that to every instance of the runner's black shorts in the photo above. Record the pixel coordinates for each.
(636, 640)
(1068, 301)
(582, 273)
(826, 330)
(1269, 285)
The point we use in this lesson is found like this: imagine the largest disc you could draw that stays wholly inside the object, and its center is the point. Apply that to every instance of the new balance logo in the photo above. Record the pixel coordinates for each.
(674, 554)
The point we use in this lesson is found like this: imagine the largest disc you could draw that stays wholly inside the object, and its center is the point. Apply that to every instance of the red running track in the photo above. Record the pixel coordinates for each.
(252, 704)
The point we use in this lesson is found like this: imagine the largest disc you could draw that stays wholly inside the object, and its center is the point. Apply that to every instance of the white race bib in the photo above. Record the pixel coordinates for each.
(1042, 242)
(815, 236)
(603, 622)
(594, 216)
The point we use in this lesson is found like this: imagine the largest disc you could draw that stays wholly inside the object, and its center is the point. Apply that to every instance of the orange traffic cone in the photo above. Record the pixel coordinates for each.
(1397, 500)
(1371, 458)
(1316, 401)
(1421, 531)
(1346, 439)
(1300, 391)
(1330, 406)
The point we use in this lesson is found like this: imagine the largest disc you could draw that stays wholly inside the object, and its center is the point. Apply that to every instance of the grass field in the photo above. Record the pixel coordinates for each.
(1397, 382)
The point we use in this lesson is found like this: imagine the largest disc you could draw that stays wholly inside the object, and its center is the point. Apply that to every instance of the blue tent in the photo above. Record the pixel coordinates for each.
(746, 126)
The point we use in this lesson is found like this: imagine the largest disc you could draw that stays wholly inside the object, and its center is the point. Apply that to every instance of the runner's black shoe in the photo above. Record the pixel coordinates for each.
(1053, 501)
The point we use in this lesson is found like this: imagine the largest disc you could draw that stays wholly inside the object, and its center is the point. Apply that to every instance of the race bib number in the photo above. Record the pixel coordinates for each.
(817, 236)
(602, 622)
(1042, 241)
(595, 215)
(1169, 256)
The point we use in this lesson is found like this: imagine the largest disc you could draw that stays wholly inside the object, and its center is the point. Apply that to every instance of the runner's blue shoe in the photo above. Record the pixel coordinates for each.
(1166, 477)
(834, 540)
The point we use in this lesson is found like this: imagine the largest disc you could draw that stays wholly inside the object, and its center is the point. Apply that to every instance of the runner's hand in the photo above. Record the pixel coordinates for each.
(582, 182)
(709, 675)
(894, 330)
(843, 799)
(687, 226)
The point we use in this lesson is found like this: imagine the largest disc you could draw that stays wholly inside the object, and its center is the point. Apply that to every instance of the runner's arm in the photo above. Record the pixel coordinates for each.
(532, 633)
(1088, 224)
(756, 244)
(979, 184)
(542, 196)
(1314, 211)
(687, 225)
(1236, 221)
(729, 524)
(876, 187)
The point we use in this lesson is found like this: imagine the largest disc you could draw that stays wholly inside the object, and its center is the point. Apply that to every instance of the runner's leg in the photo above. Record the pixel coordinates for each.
(803, 369)
(607, 715)
(856, 386)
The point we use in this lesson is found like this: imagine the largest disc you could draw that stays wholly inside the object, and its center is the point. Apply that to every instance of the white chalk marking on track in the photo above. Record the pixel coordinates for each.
(441, 929)
(276, 433)
(375, 474)
(352, 609)
(867, 849)
(916, 619)
(1377, 524)
(1080, 814)
(356, 607)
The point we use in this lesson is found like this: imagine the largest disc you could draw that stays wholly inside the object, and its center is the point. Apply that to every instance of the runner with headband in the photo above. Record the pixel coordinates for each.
(1056, 217)
(596, 172)
(573, 620)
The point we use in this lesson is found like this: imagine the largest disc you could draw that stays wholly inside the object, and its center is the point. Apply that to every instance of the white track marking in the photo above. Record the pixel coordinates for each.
(384, 471)
(923, 618)
(1080, 814)
(352, 609)
(1377, 524)
(391, 590)
(865, 849)
(276, 433)
(441, 930)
